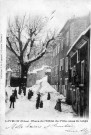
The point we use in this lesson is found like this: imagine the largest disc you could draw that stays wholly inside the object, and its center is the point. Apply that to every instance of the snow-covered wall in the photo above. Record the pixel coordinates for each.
(31, 80)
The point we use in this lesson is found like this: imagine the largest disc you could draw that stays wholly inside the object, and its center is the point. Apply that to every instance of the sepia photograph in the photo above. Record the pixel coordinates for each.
(47, 72)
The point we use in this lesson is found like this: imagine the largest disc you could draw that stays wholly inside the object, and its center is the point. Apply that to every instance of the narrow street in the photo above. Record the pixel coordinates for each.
(26, 109)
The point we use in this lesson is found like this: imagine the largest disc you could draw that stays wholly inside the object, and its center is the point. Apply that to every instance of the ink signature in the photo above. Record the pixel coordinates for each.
(67, 127)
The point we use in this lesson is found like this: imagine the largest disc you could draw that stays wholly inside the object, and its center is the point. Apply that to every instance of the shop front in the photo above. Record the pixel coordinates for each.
(78, 81)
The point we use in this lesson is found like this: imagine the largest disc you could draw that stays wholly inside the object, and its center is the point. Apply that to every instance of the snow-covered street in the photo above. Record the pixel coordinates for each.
(26, 108)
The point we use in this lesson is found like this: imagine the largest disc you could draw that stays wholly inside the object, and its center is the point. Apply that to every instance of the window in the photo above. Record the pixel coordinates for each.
(78, 54)
(61, 64)
(56, 70)
(57, 60)
(66, 64)
(73, 73)
(82, 72)
(66, 81)
(58, 47)
(56, 50)
(73, 70)
(62, 44)
(67, 38)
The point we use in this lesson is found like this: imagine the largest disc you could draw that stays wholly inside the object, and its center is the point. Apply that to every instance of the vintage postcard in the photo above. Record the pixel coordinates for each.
(45, 67)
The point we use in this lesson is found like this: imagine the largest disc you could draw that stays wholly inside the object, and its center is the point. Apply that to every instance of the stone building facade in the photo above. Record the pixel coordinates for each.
(67, 36)
(79, 67)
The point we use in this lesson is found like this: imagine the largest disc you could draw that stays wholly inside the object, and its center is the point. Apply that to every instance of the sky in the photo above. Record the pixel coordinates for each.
(64, 9)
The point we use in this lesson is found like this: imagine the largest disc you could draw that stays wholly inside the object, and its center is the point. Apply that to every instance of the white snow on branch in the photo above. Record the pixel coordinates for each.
(34, 57)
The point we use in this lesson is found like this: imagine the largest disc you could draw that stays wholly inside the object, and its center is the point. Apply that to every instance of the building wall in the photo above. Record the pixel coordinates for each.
(31, 80)
(77, 26)
(55, 64)
(67, 36)
(79, 67)
(40, 74)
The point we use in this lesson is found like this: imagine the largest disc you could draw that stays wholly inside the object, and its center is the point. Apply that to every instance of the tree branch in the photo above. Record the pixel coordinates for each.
(10, 47)
(26, 45)
(36, 58)
(41, 53)
(14, 34)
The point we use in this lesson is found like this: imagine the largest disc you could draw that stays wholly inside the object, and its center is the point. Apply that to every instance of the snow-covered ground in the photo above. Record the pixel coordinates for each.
(26, 109)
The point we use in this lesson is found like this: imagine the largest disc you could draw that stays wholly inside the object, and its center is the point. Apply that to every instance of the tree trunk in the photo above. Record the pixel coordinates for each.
(24, 70)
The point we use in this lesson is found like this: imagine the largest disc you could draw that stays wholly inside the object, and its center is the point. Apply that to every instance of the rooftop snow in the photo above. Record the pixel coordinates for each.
(83, 33)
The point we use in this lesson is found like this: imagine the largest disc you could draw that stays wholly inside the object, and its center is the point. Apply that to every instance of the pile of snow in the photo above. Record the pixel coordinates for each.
(46, 87)
(44, 79)
(43, 87)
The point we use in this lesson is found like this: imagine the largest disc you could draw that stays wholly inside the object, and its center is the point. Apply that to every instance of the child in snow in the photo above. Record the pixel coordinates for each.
(12, 100)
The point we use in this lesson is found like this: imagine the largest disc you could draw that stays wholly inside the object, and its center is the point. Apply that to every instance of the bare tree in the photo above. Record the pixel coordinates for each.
(24, 39)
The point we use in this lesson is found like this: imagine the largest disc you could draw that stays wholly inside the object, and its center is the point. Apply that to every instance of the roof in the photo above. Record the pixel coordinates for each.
(82, 34)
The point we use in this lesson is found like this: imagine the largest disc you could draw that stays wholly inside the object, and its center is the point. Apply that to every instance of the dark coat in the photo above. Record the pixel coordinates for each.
(41, 104)
(30, 94)
(58, 106)
(48, 97)
(38, 101)
(12, 98)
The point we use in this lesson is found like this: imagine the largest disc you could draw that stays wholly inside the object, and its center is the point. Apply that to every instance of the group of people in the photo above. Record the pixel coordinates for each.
(13, 98)
(39, 102)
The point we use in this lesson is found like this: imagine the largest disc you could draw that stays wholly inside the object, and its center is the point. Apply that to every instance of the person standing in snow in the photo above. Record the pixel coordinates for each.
(48, 97)
(38, 101)
(58, 105)
(15, 93)
(29, 94)
(12, 100)
(41, 104)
